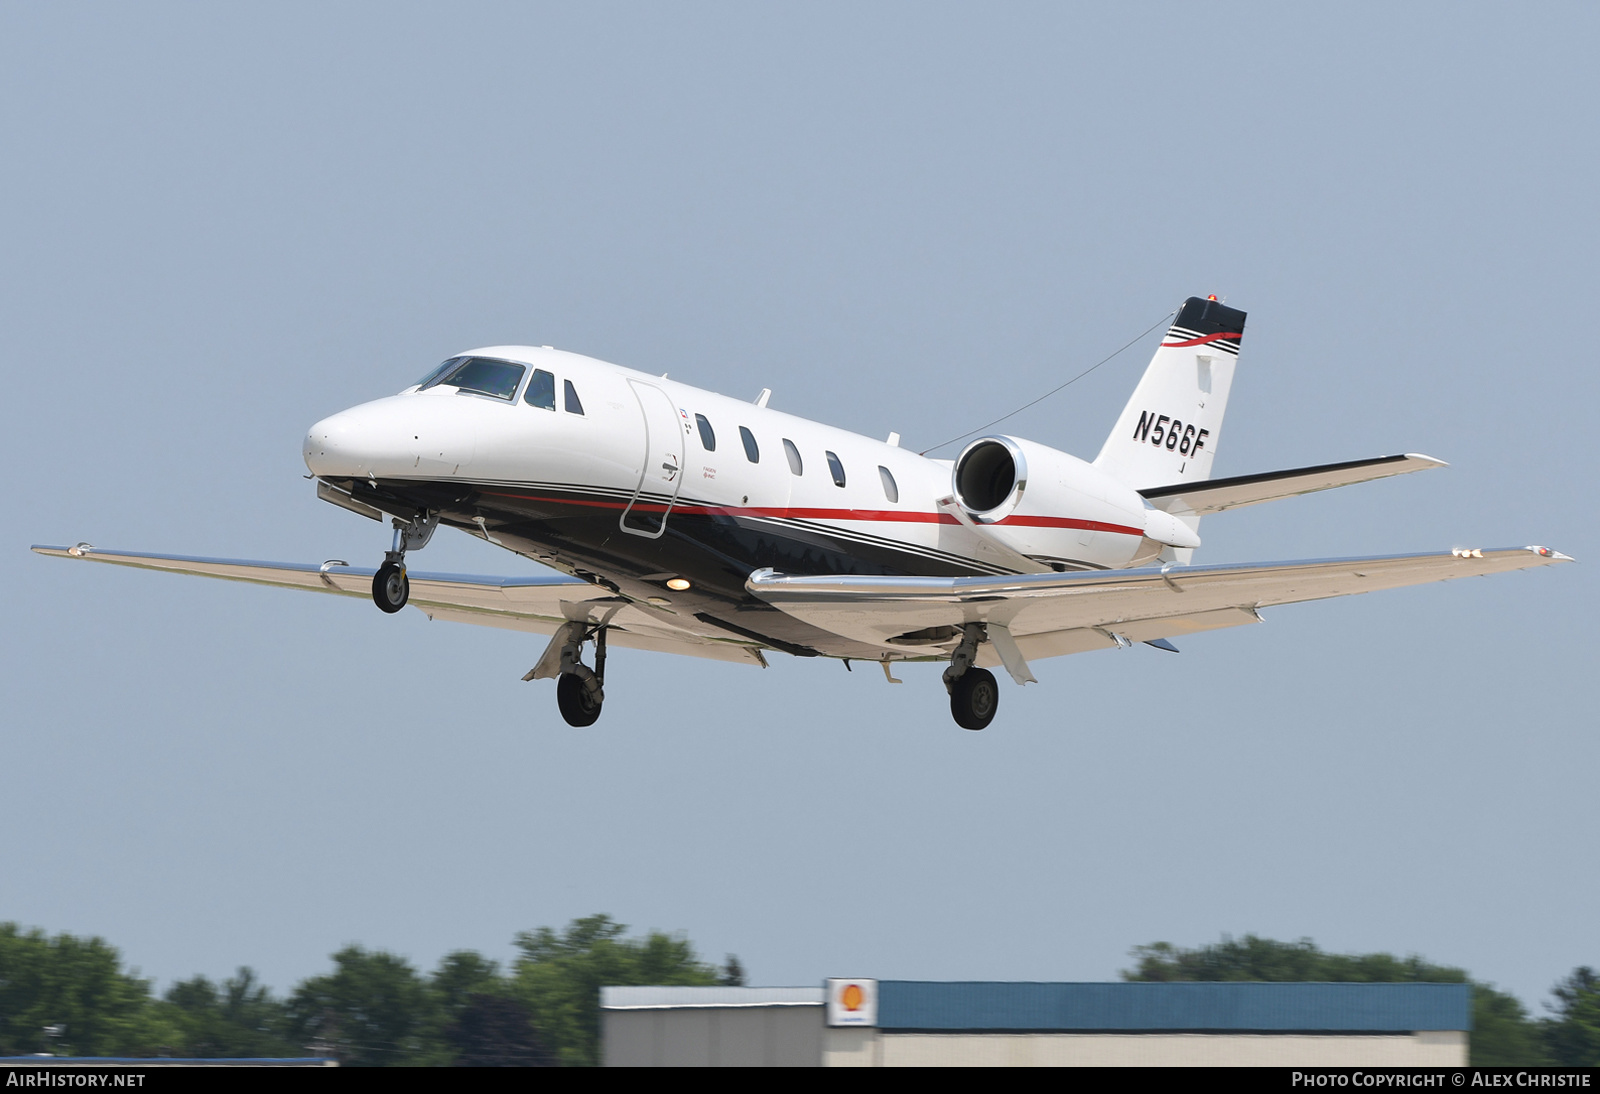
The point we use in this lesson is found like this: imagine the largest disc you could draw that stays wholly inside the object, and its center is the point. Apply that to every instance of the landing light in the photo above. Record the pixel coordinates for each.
(677, 584)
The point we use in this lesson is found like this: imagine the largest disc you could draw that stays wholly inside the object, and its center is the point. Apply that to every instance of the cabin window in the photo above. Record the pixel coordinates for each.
(836, 468)
(708, 437)
(890, 490)
(751, 452)
(794, 457)
(573, 405)
(541, 390)
(483, 375)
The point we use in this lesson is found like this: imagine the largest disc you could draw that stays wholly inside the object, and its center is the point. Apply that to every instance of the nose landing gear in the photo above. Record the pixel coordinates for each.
(974, 694)
(390, 586)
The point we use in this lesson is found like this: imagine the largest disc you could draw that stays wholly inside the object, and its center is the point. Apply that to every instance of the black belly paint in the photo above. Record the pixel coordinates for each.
(579, 532)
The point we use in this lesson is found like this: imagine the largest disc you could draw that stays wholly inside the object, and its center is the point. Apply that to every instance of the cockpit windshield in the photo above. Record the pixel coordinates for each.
(484, 375)
(434, 374)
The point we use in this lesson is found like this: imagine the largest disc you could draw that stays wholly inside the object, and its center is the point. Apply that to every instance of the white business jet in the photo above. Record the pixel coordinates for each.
(688, 522)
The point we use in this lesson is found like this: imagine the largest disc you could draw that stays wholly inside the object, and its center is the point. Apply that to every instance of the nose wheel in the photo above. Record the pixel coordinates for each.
(391, 588)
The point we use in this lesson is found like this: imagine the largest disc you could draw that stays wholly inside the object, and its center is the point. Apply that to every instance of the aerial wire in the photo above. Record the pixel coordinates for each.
(1053, 390)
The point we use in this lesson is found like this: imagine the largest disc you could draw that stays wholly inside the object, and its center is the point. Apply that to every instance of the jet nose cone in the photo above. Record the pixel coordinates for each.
(370, 439)
(332, 449)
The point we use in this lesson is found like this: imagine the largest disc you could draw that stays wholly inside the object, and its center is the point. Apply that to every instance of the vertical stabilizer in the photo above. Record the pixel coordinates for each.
(1168, 432)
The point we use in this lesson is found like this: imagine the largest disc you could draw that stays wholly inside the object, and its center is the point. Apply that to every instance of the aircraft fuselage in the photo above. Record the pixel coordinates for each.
(630, 480)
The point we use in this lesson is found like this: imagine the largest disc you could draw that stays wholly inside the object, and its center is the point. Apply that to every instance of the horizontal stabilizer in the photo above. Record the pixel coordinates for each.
(1215, 495)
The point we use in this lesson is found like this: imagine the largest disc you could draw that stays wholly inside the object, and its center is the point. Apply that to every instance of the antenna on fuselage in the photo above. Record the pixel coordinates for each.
(766, 393)
(1053, 390)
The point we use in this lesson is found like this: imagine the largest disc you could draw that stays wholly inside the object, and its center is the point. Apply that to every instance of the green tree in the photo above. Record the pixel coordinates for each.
(69, 996)
(559, 977)
(1502, 1033)
(373, 1010)
(1572, 1035)
(485, 1025)
(242, 1019)
(462, 975)
(494, 1030)
(732, 972)
(1252, 958)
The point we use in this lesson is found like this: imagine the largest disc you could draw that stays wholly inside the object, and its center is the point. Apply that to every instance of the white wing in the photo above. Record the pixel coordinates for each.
(535, 604)
(1047, 614)
(1051, 614)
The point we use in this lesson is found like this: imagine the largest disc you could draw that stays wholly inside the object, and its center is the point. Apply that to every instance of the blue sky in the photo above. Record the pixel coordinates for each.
(223, 223)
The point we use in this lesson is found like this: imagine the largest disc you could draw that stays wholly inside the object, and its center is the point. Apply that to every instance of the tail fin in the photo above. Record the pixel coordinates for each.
(1168, 431)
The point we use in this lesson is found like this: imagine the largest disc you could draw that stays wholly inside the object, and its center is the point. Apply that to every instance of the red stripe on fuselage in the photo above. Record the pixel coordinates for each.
(888, 516)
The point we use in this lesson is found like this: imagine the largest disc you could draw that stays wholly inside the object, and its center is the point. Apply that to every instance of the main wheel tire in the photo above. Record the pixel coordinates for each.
(974, 698)
(390, 587)
(578, 705)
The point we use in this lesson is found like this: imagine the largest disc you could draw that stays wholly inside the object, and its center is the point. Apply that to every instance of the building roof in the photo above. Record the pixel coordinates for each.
(1264, 1007)
(977, 1005)
(668, 998)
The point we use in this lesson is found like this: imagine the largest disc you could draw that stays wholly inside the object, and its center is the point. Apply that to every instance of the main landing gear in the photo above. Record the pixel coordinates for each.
(580, 690)
(390, 586)
(579, 705)
(974, 694)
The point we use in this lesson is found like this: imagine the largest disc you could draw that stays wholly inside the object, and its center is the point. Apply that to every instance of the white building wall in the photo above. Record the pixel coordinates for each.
(871, 1048)
(712, 1036)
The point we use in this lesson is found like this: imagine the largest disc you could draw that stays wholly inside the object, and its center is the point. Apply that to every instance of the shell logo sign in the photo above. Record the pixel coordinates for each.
(852, 1002)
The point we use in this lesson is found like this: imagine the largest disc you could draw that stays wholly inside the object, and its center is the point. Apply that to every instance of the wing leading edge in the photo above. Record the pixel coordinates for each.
(1053, 614)
(537, 605)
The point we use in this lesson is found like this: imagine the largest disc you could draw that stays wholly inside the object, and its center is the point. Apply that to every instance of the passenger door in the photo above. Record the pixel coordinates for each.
(661, 476)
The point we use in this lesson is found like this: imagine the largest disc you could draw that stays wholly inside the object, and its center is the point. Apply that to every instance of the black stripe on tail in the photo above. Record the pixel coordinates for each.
(1206, 322)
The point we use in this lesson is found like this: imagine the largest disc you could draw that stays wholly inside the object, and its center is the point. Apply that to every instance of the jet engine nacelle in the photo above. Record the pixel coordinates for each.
(1051, 505)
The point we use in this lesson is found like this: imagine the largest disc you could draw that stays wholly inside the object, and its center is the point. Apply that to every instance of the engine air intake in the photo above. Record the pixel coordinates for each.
(988, 474)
